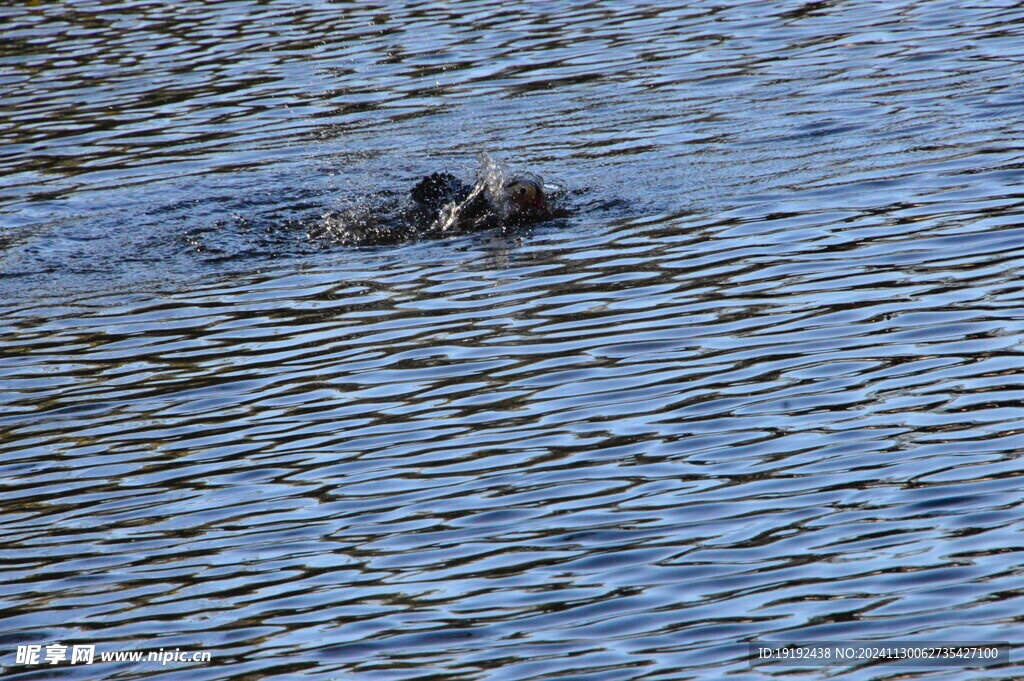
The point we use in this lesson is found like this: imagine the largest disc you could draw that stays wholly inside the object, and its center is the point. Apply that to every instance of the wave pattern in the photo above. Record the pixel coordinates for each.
(773, 393)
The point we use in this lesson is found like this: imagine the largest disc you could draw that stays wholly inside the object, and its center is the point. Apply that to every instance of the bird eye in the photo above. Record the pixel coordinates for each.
(523, 193)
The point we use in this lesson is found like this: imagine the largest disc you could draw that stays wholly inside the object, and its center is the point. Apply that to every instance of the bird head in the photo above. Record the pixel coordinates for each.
(526, 197)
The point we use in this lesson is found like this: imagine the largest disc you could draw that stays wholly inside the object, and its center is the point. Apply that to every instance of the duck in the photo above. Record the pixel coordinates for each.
(448, 204)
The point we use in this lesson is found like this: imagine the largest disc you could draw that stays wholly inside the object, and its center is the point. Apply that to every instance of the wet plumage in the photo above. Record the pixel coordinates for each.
(446, 203)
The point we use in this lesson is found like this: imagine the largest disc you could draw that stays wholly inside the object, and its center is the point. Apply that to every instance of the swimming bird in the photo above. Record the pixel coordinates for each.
(448, 204)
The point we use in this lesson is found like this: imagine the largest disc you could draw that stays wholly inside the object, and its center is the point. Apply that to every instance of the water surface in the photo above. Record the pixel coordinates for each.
(763, 383)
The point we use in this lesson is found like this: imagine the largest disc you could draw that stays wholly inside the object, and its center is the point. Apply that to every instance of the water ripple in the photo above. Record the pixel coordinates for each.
(762, 383)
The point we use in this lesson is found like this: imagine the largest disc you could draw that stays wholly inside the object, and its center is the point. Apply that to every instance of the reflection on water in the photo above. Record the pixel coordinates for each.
(763, 383)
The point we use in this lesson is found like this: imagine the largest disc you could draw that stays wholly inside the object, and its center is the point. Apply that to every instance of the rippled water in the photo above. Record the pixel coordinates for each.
(764, 383)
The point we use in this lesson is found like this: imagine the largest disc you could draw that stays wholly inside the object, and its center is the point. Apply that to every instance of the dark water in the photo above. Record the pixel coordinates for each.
(764, 383)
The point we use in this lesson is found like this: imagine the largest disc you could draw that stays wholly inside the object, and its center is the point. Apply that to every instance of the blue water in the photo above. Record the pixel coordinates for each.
(764, 382)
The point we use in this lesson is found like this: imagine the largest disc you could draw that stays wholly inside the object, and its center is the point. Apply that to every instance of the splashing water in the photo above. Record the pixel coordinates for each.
(490, 183)
(381, 217)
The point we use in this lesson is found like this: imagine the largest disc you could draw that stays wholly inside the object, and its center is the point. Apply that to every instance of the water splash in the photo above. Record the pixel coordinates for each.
(283, 226)
(490, 183)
